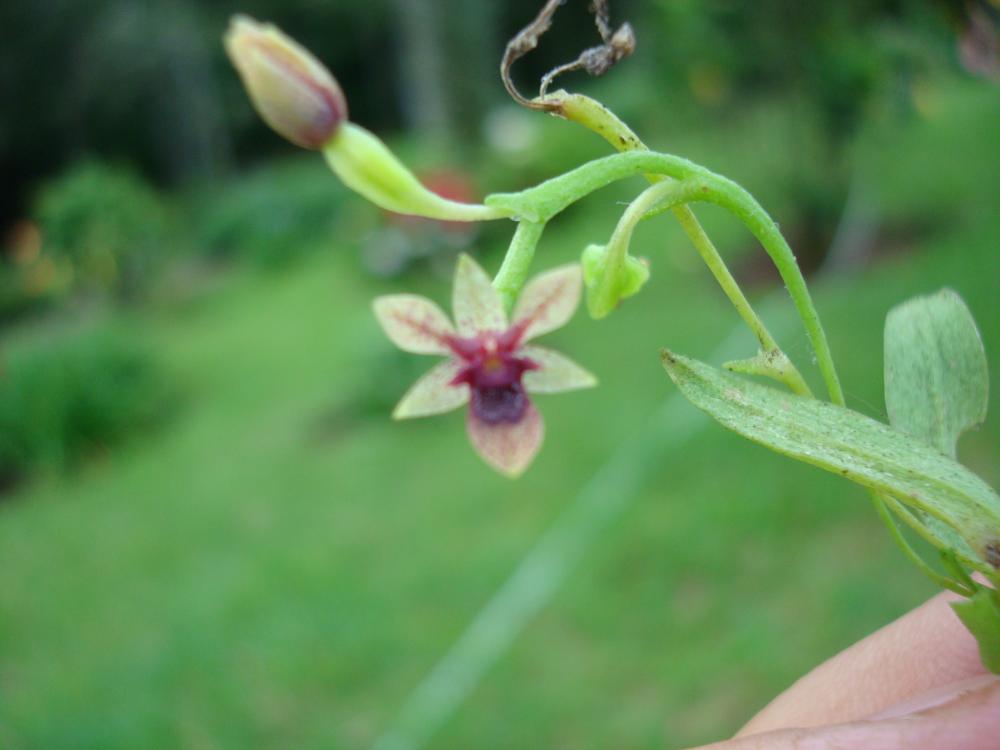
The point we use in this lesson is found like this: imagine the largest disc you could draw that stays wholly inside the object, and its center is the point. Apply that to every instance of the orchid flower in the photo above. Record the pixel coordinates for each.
(490, 366)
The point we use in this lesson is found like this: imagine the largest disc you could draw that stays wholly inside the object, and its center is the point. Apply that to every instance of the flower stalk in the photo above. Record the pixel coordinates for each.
(366, 165)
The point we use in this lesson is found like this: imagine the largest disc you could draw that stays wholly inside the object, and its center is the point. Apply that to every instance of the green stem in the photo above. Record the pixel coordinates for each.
(672, 195)
(514, 270)
(663, 194)
(544, 201)
(710, 255)
(549, 198)
(739, 202)
(921, 530)
(599, 119)
(367, 166)
(951, 563)
(880, 501)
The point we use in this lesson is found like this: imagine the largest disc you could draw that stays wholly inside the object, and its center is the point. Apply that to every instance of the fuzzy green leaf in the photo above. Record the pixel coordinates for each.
(851, 445)
(936, 381)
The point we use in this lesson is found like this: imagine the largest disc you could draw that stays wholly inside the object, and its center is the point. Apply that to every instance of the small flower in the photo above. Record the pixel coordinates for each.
(290, 89)
(490, 365)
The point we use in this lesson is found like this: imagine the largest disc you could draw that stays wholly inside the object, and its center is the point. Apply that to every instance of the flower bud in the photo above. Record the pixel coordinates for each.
(610, 278)
(289, 88)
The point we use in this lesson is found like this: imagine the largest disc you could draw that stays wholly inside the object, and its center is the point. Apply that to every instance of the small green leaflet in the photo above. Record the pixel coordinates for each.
(936, 381)
(849, 444)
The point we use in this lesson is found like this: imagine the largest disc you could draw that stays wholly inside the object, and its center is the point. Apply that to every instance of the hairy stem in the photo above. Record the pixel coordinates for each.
(514, 270)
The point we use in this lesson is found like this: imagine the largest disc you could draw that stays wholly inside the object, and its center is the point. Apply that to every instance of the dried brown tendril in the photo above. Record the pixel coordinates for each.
(595, 61)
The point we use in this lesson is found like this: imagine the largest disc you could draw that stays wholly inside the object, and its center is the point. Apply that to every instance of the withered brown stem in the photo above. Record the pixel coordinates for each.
(595, 61)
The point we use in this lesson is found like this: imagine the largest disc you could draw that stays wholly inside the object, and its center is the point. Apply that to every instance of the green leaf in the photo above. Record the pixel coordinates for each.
(936, 381)
(981, 615)
(849, 444)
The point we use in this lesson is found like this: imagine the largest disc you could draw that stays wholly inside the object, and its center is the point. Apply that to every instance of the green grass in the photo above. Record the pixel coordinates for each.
(280, 564)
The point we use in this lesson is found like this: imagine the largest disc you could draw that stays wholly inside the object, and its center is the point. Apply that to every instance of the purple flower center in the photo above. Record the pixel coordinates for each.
(495, 404)
(493, 372)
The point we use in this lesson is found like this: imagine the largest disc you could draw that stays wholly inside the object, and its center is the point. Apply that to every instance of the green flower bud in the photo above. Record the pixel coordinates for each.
(289, 88)
(610, 278)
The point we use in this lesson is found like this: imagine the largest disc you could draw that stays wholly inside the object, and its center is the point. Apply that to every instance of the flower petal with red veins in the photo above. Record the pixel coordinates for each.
(549, 301)
(414, 323)
(433, 393)
(555, 372)
(508, 447)
(476, 304)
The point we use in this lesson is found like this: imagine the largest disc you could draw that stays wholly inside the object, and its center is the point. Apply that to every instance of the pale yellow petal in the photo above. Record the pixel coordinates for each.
(433, 393)
(509, 447)
(555, 372)
(476, 303)
(549, 301)
(414, 323)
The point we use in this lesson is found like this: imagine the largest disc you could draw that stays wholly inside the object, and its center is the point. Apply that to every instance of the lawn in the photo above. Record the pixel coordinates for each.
(278, 565)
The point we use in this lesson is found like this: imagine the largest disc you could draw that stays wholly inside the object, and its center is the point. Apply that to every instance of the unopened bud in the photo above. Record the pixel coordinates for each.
(610, 278)
(291, 90)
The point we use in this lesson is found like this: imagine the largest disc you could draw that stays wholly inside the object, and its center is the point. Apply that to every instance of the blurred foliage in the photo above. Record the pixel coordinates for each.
(269, 216)
(839, 63)
(835, 56)
(106, 227)
(71, 393)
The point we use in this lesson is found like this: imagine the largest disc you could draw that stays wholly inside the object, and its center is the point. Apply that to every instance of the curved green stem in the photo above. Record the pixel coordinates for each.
(610, 273)
(880, 500)
(673, 194)
(662, 195)
(514, 270)
(599, 119)
(710, 255)
(542, 202)
(921, 530)
(739, 202)
(367, 166)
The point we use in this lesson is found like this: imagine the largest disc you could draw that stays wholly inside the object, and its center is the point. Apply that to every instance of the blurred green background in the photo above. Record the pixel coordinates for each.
(211, 534)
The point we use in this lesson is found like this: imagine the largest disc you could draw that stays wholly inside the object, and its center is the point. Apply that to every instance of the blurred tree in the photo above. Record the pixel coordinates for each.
(107, 227)
(130, 80)
(424, 91)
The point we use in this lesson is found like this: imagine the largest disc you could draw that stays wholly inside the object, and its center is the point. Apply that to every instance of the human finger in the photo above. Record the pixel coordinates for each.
(925, 648)
(969, 722)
